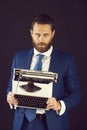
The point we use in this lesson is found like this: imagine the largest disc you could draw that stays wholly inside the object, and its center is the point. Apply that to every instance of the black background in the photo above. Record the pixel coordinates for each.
(70, 17)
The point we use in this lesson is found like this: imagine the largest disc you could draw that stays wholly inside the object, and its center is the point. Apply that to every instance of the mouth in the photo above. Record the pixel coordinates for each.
(41, 45)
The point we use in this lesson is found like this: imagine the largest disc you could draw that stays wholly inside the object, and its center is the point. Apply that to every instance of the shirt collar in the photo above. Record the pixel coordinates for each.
(47, 53)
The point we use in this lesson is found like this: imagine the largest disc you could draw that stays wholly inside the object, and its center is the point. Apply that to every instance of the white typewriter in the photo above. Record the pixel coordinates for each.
(32, 88)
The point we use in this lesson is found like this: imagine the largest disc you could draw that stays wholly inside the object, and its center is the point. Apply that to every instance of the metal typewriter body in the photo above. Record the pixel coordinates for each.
(32, 88)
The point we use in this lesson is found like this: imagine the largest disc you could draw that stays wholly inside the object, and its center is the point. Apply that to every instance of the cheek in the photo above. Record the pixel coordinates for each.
(48, 40)
(35, 39)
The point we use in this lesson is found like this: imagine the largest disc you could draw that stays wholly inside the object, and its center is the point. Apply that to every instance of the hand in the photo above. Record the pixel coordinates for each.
(53, 104)
(11, 99)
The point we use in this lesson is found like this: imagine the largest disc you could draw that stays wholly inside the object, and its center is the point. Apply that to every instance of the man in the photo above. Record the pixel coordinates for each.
(66, 92)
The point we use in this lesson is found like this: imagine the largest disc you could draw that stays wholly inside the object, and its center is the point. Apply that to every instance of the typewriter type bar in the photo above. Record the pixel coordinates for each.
(34, 76)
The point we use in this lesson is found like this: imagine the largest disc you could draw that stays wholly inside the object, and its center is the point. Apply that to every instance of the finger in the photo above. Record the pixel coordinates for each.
(51, 100)
(52, 104)
(11, 94)
(11, 99)
(50, 107)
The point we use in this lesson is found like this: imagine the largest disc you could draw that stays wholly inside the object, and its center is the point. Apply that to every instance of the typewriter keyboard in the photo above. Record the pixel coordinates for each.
(31, 101)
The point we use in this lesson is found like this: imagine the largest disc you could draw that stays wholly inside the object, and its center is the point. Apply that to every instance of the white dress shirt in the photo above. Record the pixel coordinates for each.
(45, 67)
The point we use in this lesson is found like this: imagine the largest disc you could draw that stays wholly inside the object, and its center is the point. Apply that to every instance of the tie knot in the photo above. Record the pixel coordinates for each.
(38, 65)
(40, 56)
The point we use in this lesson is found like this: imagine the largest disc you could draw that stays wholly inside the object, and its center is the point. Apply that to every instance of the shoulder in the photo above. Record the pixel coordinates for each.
(63, 58)
(66, 60)
(23, 53)
(62, 54)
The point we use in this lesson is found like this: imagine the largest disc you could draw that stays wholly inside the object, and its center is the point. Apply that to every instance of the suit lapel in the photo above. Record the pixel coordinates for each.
(55, 61)
(26, 60)
(30, 58)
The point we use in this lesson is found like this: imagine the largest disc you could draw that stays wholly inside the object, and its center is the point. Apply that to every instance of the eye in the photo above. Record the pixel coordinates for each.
(37, 34)
(45, 35)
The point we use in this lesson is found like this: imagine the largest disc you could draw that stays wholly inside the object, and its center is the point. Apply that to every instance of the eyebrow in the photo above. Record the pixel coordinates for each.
(43, 34)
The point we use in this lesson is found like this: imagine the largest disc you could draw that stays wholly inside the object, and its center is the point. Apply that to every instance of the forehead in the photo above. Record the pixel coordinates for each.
(42, 27)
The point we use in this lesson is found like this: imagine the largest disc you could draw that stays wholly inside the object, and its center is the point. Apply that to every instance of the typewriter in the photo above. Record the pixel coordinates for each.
(32, 88)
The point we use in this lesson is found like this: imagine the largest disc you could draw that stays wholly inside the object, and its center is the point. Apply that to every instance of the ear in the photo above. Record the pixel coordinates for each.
(53, 33)
(31, 32)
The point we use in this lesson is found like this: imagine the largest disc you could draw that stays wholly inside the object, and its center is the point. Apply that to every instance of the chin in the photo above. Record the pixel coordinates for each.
(41, 49)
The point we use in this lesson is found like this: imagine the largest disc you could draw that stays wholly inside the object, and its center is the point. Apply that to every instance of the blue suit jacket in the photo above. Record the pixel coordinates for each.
(67, 88)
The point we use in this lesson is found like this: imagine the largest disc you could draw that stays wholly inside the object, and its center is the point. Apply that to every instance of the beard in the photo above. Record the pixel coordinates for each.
(42, 47)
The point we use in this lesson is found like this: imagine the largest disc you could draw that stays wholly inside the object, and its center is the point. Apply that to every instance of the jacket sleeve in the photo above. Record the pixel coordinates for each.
(72, 85)
(9, 88)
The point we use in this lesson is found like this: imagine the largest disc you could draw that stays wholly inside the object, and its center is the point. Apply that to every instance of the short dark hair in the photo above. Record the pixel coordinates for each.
(43, 19)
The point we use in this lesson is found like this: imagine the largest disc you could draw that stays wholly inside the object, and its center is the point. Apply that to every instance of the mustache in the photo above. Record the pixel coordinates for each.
(41, 43)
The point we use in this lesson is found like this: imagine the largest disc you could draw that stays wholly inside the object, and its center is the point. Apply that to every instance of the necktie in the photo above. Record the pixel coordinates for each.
(31, 113)
(38, 65)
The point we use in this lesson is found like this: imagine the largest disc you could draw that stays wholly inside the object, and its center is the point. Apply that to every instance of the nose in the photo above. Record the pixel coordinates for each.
(41, 39)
